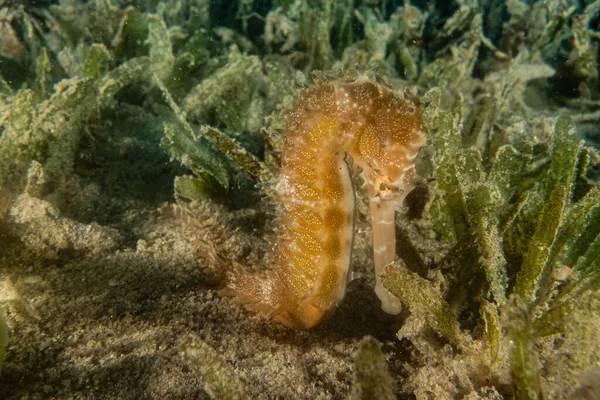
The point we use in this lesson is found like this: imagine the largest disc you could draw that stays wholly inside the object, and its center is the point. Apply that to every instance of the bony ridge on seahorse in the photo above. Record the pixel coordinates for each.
(312, 254)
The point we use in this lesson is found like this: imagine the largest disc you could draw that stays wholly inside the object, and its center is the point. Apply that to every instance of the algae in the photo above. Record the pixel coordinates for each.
(372, 379)
(3, 337)
(220, 379)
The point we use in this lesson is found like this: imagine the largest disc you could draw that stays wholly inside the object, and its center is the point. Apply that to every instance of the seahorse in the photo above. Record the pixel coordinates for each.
(335, 129)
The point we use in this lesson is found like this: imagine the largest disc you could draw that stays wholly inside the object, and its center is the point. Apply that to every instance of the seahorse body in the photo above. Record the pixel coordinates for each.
(383, 136)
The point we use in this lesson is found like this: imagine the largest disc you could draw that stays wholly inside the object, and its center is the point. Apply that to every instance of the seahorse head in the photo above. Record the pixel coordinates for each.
(388, 141)
(387, 135)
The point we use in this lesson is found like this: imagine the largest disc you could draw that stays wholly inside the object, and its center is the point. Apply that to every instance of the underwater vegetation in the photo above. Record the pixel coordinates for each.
(109, 109)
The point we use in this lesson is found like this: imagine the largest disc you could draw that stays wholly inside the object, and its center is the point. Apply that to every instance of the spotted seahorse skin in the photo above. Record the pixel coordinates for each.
(382, 135)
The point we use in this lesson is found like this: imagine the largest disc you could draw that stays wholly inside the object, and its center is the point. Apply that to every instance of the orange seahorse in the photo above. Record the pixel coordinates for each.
(383, 135)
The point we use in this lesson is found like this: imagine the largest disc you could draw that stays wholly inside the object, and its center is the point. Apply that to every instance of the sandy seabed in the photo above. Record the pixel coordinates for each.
(107, 320)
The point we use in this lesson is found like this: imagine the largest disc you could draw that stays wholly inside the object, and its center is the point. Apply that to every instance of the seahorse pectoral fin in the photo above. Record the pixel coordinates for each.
(384, 249)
